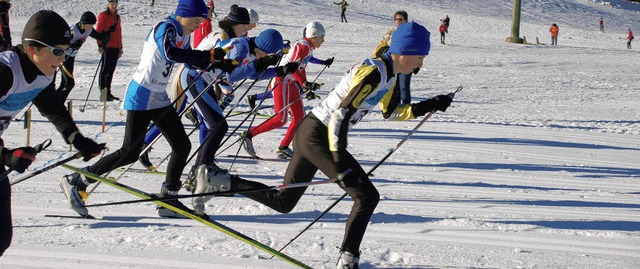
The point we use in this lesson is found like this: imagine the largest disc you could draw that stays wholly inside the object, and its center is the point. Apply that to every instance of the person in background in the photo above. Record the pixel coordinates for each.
(554, 34)
(404, 80)
(443, 30)
(205, 27)
(343, 5)
(111, 49)
(629, 38)
(446, 21)
(27, 75)
(5, 31)
(602, 25)
(253, 20)
(79, 32)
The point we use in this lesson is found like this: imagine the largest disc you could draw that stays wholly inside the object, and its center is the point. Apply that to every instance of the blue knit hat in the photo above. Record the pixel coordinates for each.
(410, 38)
(269, 41)
(192, 8)
(239, 15)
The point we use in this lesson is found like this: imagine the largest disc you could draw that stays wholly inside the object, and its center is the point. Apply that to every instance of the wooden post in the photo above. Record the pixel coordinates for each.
(515, 26)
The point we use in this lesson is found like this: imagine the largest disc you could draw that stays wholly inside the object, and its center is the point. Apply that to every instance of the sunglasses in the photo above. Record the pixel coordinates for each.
(54, 50)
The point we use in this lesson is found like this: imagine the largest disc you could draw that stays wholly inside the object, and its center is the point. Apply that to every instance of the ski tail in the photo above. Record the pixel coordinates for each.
(211, 223)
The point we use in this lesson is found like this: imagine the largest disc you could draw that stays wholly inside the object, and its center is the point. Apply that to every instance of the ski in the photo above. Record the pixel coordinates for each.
(209, 222)
(258, 158)
(69, 216)
(144, 171)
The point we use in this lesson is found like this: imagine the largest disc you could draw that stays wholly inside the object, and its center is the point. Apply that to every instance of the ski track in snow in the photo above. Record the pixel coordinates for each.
(535, 164)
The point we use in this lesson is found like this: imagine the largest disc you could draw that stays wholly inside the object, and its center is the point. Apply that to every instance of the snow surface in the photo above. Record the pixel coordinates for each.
(535, 165)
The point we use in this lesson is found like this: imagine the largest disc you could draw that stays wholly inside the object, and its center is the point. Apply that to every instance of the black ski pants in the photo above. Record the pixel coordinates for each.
(137, 122)
(212, 115)
(311, 152)
(6, 227)
(108, 67)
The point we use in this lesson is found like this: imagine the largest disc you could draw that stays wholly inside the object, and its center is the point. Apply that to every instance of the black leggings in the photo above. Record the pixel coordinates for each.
(312, 153)
(137, 122)
(108, 67)
(6, 228)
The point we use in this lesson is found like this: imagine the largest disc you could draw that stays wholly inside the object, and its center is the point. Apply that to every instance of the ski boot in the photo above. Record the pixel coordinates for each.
(284, 152)
(75, 189)
(168, 213)
(247, 144)
(347, 260)
(209, 179)
(144, 159)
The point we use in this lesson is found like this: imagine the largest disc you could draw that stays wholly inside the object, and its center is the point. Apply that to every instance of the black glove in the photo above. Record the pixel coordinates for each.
(348, 178)
(217, 54)
(87, 147)
(224, 65)
(310, 95)
(440, 102)
(19, 159)
(266, 61)
(311, 86)
(112, 28)
(286, 69)
(328, 62)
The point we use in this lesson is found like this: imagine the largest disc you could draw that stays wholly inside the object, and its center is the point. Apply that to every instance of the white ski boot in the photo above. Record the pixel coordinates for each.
(168, 213)
(69, 186)
(209, 179)
(247, 144)
(284, 153)
(347, 260)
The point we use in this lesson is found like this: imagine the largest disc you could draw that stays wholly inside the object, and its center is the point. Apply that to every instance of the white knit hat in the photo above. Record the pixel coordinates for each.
(253, 16)
(314, 29)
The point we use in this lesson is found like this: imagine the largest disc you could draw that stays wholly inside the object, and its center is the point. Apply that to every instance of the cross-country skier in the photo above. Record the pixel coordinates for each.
(629, 38)
(80, 32)
(233, 25)
(286, 91)
(146, 100)
(26, 75)
(252, 55)
(321, 138)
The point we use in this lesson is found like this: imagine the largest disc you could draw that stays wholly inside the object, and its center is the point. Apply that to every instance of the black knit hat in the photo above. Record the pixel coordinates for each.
(88, 18)
(238, 15)
(48, 27)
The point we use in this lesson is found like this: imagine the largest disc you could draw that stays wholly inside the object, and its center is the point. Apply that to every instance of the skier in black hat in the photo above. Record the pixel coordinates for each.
(26, 75)
(79, 34)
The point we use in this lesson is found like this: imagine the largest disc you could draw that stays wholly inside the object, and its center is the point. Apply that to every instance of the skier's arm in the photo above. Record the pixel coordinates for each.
(246, 70)
(364, 82)
(165, 37)
(6, 79)
(99, 35)
(55, 112)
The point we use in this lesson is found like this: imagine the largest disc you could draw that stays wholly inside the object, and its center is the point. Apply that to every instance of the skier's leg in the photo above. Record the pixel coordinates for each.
(6, 227)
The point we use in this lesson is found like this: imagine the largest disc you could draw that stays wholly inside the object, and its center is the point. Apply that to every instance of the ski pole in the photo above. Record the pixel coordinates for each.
(370, 171)
(92, 81)
(222, 193)
(19, 119)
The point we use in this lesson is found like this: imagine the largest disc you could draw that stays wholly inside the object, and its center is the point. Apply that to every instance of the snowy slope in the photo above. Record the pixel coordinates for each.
(534, 166)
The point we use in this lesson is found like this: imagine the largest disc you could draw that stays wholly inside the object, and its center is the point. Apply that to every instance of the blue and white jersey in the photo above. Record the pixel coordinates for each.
(245, 69)
(147, 89)
(21, 92)
(77, 39)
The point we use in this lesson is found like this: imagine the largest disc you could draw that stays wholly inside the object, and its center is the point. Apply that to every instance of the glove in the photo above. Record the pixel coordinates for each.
(286, 69)
(311, 86)
(415, 71)
(217, 54)
(87, 147)
(19, 159)
(328, 62)
(440, 102)
(224, 65)
(348, 177)
(266, 61)
(112, 28)
(311, 95)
